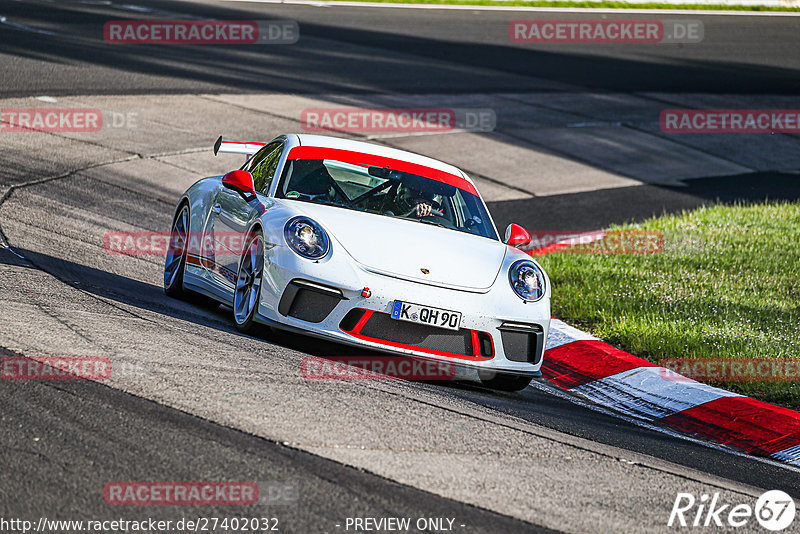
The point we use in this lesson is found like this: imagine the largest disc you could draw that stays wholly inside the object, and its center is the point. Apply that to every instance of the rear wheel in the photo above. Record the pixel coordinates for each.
(175, 264)
(248, 284)
(504, 381)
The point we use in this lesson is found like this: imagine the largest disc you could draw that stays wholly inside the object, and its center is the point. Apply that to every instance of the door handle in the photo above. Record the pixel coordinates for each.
(217, 208)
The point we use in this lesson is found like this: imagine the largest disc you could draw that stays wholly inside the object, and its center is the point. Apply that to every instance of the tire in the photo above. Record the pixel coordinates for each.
(175, 263)
(505, 381)
(247, 289)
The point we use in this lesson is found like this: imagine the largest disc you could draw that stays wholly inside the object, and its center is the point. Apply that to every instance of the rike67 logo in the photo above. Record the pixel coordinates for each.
(774, 510)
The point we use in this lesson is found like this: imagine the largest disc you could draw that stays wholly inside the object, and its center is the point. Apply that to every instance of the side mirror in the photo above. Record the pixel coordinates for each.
(517, 236)
(241, 182)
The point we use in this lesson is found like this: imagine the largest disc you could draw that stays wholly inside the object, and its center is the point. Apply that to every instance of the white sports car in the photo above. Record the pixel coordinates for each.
(364, 245)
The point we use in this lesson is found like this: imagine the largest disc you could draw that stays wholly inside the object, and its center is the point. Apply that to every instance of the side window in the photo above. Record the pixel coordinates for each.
(264, 164)
(259, 156)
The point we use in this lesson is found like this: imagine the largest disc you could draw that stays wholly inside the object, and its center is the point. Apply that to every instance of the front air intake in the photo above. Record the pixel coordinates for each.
(309, 301)
(522, 342)
(382, 326)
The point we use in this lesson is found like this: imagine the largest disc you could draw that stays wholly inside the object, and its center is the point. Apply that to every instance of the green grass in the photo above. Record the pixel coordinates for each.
(598, 5)
(727, 285)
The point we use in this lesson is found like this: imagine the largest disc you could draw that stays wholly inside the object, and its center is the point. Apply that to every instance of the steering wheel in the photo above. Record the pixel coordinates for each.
(434, 212)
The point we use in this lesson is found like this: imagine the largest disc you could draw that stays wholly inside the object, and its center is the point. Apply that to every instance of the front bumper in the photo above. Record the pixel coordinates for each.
(498, 331)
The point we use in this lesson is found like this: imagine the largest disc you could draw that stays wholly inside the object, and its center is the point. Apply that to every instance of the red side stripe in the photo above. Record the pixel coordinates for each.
(350, 156)
(580, 362)
(749, 424)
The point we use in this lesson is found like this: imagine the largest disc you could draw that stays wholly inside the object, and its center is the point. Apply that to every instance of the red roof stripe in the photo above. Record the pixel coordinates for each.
(351, 156)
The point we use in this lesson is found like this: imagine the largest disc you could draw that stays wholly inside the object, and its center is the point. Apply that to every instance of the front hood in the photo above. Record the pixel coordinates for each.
(403, 247)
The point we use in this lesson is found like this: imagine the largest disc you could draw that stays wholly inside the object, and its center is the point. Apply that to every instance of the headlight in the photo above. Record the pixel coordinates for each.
(527, 280)
(306, 237)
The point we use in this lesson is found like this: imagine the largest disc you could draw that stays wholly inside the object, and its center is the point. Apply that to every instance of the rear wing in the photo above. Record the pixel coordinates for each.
(237, 147)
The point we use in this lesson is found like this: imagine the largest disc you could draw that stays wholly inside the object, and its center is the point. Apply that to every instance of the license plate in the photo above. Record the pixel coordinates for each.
(416, 313)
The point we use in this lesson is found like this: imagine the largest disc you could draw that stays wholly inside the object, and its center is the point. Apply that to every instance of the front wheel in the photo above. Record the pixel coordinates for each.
(248, 284)
(504, 381)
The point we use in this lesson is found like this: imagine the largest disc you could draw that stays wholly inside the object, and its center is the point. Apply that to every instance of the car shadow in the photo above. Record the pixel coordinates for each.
(145, 296)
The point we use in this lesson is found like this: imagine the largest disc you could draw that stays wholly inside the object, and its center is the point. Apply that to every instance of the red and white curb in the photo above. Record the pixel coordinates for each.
(592, 369)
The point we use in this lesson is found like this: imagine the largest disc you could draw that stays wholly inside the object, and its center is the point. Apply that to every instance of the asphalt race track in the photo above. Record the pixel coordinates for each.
(576, 145)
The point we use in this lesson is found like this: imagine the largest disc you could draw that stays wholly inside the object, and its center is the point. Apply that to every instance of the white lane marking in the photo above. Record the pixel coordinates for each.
(127, 7)
(131, 7)
(561, 333)
(644, 392)
(594, 124)
(155, 11)
(143, 9)
(4, 21)
(4, 246)
(550, 389)
(317, 3)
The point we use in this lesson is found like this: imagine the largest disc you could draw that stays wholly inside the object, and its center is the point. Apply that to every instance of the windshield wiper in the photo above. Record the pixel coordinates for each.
(325, 202)
(433, 223)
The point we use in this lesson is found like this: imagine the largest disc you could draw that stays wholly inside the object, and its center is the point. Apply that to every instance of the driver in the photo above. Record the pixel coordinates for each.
(310, 178)
(410, 201)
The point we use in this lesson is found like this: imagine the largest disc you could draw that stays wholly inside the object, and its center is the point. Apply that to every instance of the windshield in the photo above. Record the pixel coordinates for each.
(386, 192)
